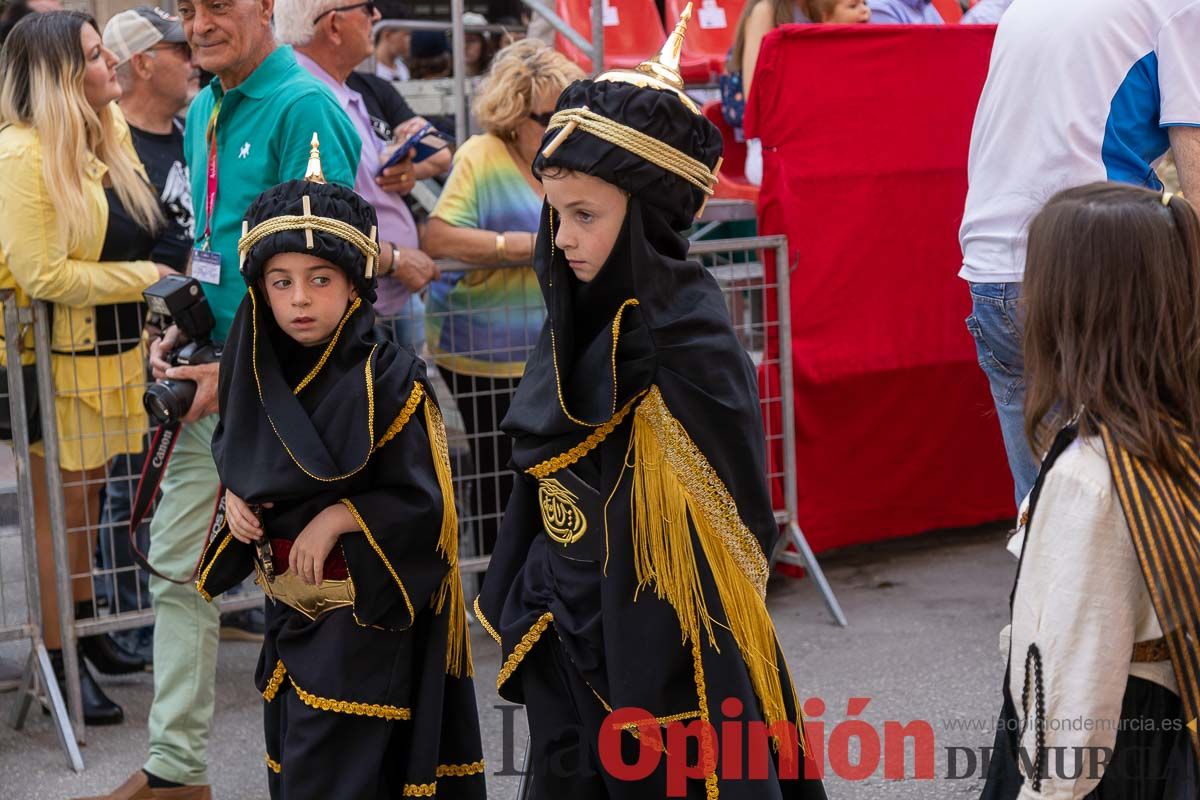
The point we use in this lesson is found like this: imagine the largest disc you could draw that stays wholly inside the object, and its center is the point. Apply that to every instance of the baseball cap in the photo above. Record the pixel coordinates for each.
(138, 29)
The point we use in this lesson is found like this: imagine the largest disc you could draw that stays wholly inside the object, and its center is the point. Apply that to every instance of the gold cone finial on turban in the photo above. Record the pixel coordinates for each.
(314, 174)
(662, 71)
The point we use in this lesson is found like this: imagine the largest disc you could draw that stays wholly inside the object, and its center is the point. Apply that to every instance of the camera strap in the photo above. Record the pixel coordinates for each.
(163, 444)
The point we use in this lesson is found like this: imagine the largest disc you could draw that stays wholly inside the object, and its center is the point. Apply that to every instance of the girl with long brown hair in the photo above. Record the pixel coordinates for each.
(78, 221)
(1103, 663)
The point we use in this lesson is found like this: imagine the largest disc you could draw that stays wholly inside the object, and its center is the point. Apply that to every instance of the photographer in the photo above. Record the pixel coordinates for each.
(256, 120)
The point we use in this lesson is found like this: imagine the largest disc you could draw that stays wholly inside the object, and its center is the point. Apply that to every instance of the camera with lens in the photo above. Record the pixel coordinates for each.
(181, 299)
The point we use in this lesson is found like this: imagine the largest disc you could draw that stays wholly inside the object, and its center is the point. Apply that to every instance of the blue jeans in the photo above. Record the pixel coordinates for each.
(132, 589)
(995, 324)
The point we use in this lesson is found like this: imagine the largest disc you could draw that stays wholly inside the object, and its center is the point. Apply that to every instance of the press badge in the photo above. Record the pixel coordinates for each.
(206, 266)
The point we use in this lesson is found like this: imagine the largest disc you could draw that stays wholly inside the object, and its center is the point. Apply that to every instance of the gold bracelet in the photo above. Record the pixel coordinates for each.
(501, 249)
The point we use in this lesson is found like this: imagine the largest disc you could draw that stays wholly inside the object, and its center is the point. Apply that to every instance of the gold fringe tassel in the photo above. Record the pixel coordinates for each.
(458, 642)
(665, 558)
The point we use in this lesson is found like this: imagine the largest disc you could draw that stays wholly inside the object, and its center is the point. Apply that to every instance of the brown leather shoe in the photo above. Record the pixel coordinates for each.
(138, 788)
(183, 793)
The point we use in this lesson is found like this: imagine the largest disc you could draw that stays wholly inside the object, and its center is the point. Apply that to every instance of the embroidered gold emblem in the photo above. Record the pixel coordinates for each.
(564, 522)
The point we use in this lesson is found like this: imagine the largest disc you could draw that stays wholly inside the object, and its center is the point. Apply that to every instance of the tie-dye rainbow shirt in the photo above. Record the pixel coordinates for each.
(486, 322)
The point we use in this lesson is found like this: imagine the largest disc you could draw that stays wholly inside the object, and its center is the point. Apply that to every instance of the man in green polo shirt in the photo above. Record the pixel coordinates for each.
(257, 117)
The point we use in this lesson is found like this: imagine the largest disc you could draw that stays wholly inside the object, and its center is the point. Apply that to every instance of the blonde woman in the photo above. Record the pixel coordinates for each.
(482, 324)
(77, 223)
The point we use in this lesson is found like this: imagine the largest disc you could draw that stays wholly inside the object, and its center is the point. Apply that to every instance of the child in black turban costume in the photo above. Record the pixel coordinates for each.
(631, 566)
(334, 458)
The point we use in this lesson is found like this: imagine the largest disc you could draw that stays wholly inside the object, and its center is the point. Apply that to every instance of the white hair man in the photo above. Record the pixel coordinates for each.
(330, 40)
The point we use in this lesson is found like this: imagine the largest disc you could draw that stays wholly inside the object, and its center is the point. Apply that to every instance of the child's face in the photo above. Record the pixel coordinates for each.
(849, 12)
(307, 295)
(590, 214)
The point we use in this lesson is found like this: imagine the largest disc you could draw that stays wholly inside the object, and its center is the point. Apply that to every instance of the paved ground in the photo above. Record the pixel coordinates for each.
(921, 645)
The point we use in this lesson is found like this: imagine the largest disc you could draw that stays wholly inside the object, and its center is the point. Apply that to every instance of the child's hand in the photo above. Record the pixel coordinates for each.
(243, 522)
(312, 546)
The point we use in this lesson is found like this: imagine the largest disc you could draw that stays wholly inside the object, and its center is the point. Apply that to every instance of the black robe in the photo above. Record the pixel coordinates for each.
(392, 673)
(640, 405)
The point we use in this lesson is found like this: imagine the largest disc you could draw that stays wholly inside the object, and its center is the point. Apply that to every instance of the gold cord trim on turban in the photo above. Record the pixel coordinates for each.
(308, 222)
(640, 144)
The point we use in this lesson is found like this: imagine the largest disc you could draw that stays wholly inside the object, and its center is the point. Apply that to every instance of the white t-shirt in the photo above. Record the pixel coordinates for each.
(1077, 91)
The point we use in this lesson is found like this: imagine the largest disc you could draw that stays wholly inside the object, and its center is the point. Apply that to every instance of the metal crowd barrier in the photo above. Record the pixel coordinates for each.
(21, 617)
(473, 405)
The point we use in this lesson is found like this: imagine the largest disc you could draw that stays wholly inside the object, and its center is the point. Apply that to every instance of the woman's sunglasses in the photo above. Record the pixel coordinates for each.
(542, 119)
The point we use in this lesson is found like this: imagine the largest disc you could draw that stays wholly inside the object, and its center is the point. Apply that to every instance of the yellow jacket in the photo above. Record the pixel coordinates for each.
(35, 260)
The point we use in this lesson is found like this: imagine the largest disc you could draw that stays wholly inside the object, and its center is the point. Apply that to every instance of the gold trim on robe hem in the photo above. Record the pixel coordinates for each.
(443, 771)
(459, 770)
(362, 524)
(487, 626)
(272, 764)
(351, 707)
(564, 460)
(275, 682)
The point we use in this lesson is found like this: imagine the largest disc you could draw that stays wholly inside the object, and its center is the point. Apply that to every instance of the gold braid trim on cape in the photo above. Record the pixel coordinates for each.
(458, 638)
(406, 412)
(1163, 513)
(672, 483)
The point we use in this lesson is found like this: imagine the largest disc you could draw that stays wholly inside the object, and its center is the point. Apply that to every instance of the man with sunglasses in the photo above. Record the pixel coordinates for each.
(331, 38)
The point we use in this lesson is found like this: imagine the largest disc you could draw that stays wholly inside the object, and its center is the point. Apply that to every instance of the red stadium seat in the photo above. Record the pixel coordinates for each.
(950, 10)
(732, 184)
(711, 31)
(633, 32)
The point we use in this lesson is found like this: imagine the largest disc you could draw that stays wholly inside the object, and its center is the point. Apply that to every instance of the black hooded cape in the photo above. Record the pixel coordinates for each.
(352, 421)
(640, 403)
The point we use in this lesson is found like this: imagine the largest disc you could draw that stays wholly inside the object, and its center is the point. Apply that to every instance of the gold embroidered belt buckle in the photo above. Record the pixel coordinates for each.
(310, 600)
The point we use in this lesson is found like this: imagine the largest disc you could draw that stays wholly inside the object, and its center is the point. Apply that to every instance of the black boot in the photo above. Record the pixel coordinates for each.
(105, 652)
(98, 709)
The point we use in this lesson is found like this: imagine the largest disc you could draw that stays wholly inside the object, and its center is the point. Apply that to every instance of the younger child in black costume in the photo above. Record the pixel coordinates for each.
(333, 454)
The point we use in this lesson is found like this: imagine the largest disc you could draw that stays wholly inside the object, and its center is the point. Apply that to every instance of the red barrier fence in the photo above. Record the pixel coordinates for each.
(865, 132)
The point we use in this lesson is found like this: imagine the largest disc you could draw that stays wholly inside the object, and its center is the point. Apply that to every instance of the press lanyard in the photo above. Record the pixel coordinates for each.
(210, 200)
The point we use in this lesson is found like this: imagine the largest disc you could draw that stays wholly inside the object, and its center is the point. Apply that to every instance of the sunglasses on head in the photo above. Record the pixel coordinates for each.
(368, 7)
(542, 119)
